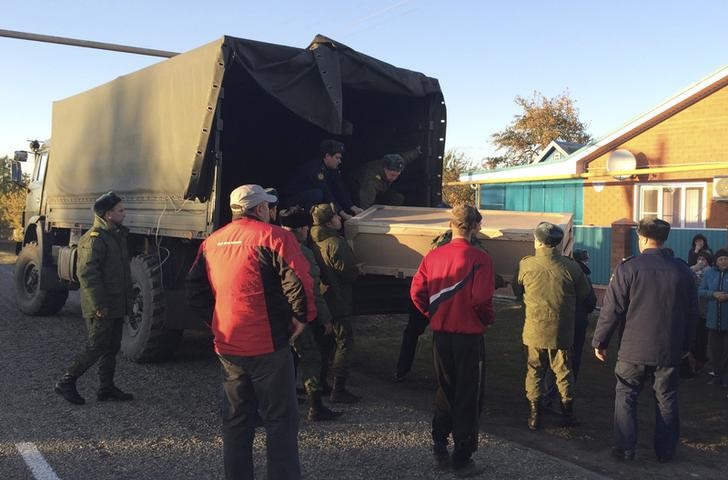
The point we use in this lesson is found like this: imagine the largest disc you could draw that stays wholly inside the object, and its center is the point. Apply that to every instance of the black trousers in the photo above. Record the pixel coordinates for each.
(264, 384)
(460, 369)
(416, 325)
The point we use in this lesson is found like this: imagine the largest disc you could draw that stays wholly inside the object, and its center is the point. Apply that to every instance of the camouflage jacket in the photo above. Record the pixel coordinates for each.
(338, 269)
(103, 270)
(369, 180)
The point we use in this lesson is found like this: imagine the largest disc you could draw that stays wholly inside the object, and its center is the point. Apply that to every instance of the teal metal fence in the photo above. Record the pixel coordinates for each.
(680, 240)
(598, 242)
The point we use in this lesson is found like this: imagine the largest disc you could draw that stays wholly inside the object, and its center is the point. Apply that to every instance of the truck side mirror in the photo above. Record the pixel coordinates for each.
(16, 173)
(20, 156)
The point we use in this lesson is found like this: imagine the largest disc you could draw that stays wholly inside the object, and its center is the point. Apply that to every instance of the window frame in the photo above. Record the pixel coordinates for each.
(660, 186)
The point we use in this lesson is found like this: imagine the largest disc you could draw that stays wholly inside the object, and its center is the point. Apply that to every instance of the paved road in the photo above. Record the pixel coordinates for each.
(171, 430)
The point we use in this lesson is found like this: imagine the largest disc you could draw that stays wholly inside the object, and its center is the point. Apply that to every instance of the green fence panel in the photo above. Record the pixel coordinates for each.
(598, 242)
(680, 240)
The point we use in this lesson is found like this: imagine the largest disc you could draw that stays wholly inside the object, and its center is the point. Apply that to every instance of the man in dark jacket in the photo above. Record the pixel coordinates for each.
(550, 286)
(454, 288)
(320, 181)
(254, 281)
(652, 297)
(106, 295)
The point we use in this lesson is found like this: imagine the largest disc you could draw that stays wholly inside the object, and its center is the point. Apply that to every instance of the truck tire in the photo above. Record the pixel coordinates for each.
(31, 299)
(145, 338)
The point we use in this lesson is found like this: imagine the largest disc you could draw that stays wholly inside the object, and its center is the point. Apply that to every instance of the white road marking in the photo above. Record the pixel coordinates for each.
(35, 461)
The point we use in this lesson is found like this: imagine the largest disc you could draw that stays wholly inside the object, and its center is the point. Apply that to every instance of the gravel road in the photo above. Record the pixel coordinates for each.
(171, 429)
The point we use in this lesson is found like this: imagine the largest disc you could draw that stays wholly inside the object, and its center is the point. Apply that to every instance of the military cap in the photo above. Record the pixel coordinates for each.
(295, 217)
(106, 202)
(654, 229)
(548, 234)
(393, 162)
(322, 213)
(331, 147)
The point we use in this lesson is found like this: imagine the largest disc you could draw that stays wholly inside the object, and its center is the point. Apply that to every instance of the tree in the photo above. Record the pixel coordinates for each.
(455, 164)
(12, 201)
(542, 121)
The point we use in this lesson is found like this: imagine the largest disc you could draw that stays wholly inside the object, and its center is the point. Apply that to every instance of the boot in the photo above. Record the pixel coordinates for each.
(339, 394)
(534, 417)
(113, 393)
(66, 387)
(317, 412)
(567, 414)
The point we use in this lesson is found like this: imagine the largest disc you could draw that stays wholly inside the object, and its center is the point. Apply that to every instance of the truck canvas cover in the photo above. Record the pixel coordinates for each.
(162, 131)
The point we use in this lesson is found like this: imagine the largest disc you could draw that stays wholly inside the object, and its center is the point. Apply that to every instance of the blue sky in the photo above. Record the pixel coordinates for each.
(617, 58)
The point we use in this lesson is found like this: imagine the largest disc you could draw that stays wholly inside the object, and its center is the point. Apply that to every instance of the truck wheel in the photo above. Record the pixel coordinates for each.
(31, 299)
(145, 339)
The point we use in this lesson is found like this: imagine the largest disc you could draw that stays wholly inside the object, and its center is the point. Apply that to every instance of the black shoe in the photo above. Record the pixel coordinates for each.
(468, 469)
(317, 412)
(622, 454)
(66, 387)
(113, 393)
(339, 394)
(664, 458)
(440, 459)
(567, 415)
(399, 377)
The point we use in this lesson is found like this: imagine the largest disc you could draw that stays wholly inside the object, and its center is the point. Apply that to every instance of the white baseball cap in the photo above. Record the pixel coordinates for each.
(246, 197)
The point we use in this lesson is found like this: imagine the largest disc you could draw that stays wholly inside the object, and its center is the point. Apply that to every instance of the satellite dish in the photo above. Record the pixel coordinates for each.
(619, 161)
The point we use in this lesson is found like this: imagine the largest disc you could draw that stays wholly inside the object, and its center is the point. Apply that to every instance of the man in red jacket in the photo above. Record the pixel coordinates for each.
(255, 280)
(454, 288)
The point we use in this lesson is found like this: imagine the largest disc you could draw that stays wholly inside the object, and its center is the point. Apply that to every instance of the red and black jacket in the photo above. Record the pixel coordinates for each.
(254, 278)
(454, 287)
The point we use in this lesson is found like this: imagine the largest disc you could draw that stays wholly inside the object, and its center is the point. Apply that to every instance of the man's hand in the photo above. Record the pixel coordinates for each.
(101, 312)
(356, 210)
(344, 216)
(328, 328)
(297, 329)
(601, 354)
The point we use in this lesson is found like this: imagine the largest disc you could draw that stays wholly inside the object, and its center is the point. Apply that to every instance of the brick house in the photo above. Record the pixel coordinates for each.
(680, 153)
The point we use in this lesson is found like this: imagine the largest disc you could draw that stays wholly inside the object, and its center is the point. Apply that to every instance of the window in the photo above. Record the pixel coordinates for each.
(40, 167)
(683, 205)
(493, 197)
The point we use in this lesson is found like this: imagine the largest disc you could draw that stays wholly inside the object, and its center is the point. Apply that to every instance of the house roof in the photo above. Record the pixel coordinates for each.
(565, 148)
(578, 160)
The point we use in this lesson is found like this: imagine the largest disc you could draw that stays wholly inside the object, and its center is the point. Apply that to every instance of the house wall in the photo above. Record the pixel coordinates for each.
(694, 135)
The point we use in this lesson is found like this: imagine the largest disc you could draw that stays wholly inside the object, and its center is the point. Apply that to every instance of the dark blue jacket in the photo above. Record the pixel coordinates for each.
(652, 297)
(314, 175)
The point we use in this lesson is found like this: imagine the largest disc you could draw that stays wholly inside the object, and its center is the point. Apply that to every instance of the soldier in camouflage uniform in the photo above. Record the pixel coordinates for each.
(372, 182)
(106, 295)
(550, 285)
(298, 221)
(417, 323)
(339, 270)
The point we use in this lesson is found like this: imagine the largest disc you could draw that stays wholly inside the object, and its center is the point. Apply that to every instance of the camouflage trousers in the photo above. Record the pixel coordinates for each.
(537, 363)
(344, 337)
(102, 346)
(309, 359)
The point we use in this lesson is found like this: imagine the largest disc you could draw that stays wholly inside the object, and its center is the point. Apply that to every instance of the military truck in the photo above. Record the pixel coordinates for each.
(174, 139)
